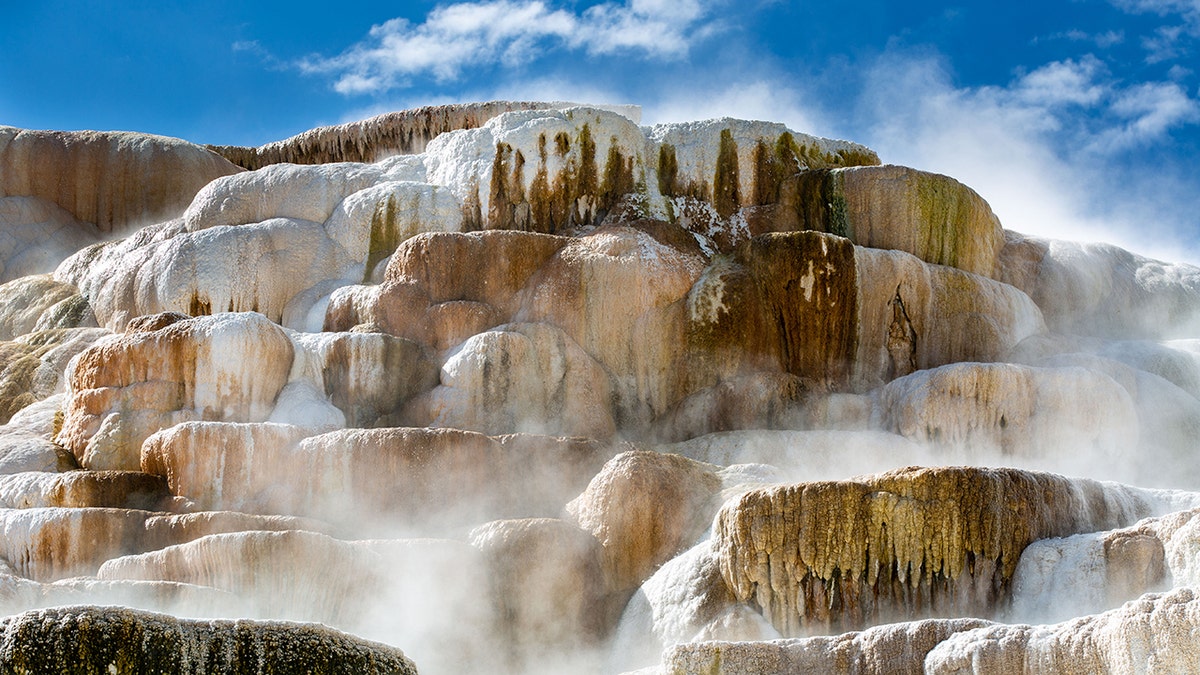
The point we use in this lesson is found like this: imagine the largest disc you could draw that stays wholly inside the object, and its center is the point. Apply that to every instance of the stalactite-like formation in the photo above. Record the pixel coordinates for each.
(465, 322)
(824, 556)
(396, 133)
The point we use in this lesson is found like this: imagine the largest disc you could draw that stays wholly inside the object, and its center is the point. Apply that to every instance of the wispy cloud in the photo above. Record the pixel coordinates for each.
(1102, 40)
(1166, 44)
(1189, 9)
(457, 37)
(1174, 40)
(1147, 111)
(1050, 150)
(1059, 83)
(1091, 109)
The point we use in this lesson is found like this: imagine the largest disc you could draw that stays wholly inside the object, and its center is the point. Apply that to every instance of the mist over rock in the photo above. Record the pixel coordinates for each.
(1102, 290)
(532, 388)
(38, 235)
(422, 480)
(1115, 641)
(891, 648)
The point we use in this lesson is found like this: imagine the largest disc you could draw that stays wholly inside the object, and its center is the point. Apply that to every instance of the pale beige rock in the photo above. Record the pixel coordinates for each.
(378, 480)
(915, 316)
(76, 489)
(221, 465)
(931, 216)
(46, 544)
(882, 650)
(25, 442)
(1102, 290)
(646, 507)
(367, 376)
(115, 180)
(500, 263)
(34, 365)
(1046, 416)
(521, 377)
(549, 586)
(686, 600)
(1153, 634)
(611, 292)
(36, 235)
(228, 367)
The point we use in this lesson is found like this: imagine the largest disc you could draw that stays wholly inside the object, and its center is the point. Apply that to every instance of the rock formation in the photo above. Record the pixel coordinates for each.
(645, 508)
(124, 641)
(902, 544)
(39, 234)
(1118, 641)
(402, 132)
(114, 181)
(420, 480)
(531, 388)
(882, 650)
(228, 367)
(548, 577)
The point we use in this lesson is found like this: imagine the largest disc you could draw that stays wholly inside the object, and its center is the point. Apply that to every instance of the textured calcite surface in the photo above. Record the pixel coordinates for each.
(113, 181)
(532, 388)
(125, 641)
(906, 543)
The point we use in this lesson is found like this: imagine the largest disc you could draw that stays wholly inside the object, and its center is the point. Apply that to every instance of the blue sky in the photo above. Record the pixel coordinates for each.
(1074, 118)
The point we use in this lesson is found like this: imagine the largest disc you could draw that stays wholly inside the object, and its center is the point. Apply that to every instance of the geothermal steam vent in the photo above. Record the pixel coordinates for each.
(524, 388)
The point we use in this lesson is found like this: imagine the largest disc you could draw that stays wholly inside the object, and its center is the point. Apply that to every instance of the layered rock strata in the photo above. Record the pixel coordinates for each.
(824, 556)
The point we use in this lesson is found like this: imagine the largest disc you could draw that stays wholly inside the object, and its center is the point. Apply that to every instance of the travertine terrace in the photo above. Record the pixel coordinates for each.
(532, 388)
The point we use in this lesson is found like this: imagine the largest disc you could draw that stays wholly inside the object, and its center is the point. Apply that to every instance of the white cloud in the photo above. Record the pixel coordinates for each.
(1172, 41)
(456, 37)
(1160, 7)
(1164, 45)
(1059, 178)
(1102, 40)
(1063, 82)
(1147, 112)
